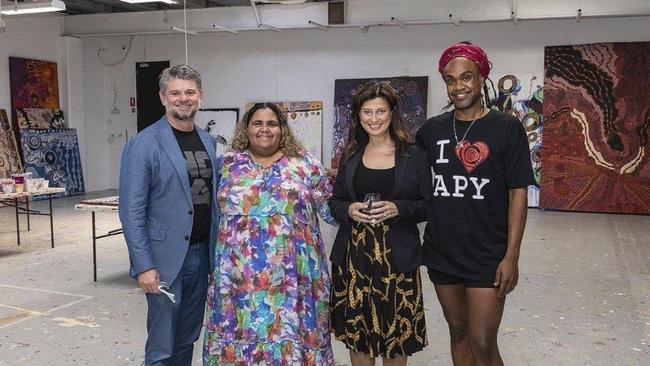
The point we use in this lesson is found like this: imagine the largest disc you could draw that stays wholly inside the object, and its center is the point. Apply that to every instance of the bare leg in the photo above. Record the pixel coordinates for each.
(397, 361)
(453, 300)
(485, 311)
(361, 359)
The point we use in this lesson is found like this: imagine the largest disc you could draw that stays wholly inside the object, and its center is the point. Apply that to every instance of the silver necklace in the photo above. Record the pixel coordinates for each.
(466, 131)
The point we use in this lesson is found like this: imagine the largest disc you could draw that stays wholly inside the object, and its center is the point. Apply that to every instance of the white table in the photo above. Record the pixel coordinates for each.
(104, 204)
(12, 200)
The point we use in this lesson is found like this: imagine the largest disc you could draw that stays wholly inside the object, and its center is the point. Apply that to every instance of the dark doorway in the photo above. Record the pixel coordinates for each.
(146, 88)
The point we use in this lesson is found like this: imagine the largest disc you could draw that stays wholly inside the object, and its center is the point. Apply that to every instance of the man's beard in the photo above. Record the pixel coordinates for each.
(184, 117)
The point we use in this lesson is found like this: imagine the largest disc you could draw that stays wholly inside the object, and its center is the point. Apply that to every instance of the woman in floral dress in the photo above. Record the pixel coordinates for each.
(268, 302)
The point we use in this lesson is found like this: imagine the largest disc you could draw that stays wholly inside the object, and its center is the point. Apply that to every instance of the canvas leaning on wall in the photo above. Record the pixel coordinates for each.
(53, 154)
(220, 123)
(306, 122)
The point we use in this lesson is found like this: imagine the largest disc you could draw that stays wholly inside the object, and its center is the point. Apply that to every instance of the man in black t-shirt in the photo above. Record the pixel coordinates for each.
(481, 168)
(167, 184)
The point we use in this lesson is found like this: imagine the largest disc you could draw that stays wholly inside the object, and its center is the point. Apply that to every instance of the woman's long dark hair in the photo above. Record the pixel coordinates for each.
(358, 137)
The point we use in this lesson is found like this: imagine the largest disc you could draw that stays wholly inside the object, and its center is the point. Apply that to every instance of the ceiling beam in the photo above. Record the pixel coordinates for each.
(229, 2)
(87, 6)
(120, 6)
(194, 4)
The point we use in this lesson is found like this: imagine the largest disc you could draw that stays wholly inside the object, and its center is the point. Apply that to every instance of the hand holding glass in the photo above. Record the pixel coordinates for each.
(370, 199)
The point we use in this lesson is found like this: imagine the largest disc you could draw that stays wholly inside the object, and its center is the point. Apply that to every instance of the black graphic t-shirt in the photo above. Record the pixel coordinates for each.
(467, 229)
(199, 170)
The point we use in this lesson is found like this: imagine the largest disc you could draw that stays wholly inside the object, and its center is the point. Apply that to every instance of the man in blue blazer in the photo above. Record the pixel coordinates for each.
(168, 181)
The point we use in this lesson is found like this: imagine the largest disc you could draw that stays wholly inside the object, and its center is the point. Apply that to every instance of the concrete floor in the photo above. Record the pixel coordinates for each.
(583, 296)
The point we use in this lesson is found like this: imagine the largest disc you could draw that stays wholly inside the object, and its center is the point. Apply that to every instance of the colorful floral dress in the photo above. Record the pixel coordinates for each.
(269, 303)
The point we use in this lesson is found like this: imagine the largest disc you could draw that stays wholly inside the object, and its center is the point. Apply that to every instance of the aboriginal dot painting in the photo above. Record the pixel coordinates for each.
(597, 111)
(53, 154)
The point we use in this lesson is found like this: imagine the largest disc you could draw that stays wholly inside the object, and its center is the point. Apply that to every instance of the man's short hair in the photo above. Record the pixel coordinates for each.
(182, 71)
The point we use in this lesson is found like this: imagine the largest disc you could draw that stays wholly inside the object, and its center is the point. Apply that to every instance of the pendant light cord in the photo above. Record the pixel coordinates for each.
(185, 27)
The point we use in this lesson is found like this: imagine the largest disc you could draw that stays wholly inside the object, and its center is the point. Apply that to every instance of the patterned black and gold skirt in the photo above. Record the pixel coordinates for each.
(376, 310)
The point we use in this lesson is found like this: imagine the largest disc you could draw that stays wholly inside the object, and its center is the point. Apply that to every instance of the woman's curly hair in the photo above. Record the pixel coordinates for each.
(289, 144)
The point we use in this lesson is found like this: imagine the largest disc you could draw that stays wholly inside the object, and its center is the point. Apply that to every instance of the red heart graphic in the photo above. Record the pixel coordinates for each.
(471, 155)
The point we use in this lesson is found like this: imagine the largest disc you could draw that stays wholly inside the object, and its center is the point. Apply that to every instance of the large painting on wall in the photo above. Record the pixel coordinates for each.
(53, 154)
(34, 84)
(517, 96)
(220, 123)
(412, 90)
(597, 115)
(306, 122)
(9, 158)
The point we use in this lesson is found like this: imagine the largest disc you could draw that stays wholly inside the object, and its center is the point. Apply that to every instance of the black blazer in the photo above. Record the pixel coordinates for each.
(412, 189)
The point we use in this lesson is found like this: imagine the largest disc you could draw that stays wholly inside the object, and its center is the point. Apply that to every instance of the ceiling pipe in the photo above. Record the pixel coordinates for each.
(257, 15)
(182, 30)
(453, 19)
(218, 27)
(513, 12)
(261, 25)
(322, 27)
(398, 22)
(270, 27)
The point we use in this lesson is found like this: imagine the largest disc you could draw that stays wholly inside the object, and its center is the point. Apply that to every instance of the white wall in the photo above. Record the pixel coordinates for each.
(39, 37)
(292, 65)
(30, 37)
(303, 64)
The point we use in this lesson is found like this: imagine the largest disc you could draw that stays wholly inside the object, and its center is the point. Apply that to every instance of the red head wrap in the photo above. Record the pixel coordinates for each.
(470, 51)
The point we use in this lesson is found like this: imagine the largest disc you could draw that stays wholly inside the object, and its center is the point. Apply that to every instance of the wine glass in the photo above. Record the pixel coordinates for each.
(370, 199)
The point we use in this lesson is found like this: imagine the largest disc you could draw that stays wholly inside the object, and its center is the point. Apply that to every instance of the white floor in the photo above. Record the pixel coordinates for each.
(583, 296)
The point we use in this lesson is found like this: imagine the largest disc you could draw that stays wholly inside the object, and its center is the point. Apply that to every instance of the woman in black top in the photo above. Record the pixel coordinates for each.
(376, 304)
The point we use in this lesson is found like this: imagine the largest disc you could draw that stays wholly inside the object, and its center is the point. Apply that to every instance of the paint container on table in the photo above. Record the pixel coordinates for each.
(34, 184)
(19, 182)
(29, 182)
(7, 185)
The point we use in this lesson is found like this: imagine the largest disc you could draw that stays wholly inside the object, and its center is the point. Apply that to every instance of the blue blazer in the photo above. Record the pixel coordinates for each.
(156, 208)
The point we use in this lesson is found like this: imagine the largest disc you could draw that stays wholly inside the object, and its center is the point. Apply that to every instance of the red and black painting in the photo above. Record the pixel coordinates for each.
(597, 109)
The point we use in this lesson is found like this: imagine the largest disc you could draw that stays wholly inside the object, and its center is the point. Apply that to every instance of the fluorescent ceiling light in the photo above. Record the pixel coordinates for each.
(149, 1)
(33, 7)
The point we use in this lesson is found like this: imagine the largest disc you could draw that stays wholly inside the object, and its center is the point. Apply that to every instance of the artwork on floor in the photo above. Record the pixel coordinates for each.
(53, 154)
(527, 106)
(9, 158)
(595, 150)
(34, 84)
(306, 122)
(113, 201)
(412, 90)
(220, 123)
(40, 118)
